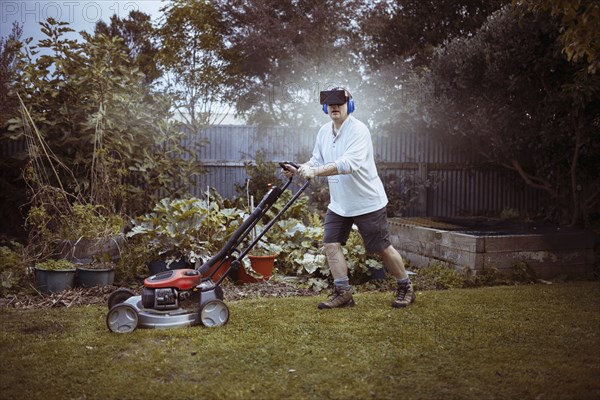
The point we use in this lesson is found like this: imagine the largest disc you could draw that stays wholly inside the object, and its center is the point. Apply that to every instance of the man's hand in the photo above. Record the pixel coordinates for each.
(307, 172)
(289, 171)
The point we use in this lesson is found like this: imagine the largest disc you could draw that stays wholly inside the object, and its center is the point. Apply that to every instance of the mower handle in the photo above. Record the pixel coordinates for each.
(284, 165)
(243, 230)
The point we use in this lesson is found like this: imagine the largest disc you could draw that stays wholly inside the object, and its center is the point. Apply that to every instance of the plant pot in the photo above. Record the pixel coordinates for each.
(85, 251)
(53, 281)
(159, 266)
(90, 277)
(261, 264)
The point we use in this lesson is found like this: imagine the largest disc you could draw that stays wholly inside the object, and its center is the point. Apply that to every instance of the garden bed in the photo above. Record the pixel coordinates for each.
(480, 245)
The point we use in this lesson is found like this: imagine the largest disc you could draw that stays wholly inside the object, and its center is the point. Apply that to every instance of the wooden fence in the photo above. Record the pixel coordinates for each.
(460, 184)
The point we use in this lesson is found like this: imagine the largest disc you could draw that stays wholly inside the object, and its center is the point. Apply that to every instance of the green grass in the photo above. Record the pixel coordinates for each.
(529, 342)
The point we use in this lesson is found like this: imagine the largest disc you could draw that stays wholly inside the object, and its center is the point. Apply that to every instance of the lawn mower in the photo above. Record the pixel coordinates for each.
(187, 297)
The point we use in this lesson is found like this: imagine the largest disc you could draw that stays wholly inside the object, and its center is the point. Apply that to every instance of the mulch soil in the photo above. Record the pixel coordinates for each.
(99, 295)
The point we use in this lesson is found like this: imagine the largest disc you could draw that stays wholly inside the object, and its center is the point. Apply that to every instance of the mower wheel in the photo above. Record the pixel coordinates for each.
(214, 313)
(119, 296)
(122, 318)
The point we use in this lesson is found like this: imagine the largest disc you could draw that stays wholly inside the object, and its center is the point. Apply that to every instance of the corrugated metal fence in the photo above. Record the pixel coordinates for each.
(460, 184)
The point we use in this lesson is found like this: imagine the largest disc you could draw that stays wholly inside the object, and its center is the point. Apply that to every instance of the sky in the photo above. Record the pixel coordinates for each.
(81, 15)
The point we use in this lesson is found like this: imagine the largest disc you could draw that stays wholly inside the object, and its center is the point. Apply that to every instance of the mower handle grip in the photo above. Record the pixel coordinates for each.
(284, 163)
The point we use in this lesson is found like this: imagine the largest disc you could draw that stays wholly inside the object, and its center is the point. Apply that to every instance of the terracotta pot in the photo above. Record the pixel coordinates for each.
(261, 264)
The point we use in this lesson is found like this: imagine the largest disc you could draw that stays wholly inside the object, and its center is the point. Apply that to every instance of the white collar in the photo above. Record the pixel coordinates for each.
(337, 132)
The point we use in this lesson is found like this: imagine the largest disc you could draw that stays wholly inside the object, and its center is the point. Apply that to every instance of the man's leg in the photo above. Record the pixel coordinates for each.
(342, 292)
(393, 262)
(405, 294)
(374, 231)
(336, 260)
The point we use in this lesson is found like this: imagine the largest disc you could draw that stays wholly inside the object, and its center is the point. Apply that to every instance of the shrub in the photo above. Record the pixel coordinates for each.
(490, 276)
(192, 229)
(261, 174)
(13, 268)
(522, 272)
(56, 265)
(438, 276)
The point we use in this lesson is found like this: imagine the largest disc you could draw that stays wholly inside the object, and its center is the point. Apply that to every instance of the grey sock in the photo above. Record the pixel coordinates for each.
(342, 283)
(403, 281)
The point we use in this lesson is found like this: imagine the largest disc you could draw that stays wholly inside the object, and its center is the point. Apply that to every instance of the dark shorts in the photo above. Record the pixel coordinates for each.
(372, 227)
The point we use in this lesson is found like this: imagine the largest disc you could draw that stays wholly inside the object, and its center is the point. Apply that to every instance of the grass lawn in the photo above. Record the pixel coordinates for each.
(510, 342)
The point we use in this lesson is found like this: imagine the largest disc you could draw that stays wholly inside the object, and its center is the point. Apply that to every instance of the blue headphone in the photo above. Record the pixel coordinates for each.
(350, 102)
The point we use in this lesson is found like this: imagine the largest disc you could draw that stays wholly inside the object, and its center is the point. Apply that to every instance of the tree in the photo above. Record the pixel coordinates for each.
(579, 22)
(288, 51)
(397, 44)
(137, 33)
(409, 30)
(10, 168)
(95, 112)
(200, 65)
(9, 50)
(509, 95)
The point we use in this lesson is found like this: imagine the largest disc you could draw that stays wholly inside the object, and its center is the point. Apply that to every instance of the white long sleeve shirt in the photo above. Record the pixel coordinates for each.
(357, 190)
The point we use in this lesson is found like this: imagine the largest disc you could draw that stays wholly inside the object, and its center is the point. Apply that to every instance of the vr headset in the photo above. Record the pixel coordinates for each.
(336, 97)
(333, 97)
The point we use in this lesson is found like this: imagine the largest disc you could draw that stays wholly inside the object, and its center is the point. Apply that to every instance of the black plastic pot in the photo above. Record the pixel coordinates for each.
(53, 281)
(90, 277)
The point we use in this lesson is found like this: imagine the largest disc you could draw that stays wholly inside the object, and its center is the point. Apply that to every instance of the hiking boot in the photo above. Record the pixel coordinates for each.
(405, 294)
(340, 298)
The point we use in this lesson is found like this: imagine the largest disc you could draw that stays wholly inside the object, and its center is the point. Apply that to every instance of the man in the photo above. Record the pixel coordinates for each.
(343, 152)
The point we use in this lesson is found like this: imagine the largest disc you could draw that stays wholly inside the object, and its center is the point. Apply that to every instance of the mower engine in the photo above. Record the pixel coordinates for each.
(171, 290)
(181, 297)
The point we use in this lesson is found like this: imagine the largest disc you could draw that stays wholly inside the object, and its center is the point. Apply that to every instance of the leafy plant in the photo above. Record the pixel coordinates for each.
(300, 254)
(522, 272)
(99, 142)
(359, 262)
(13, 268)
(88, 221)
(50, 225)
(98, 265)
(111, 138)
(488, 277)
(508, 213)
(192, 229)
(404, 191)
(265, 248)
(438, 276)
(56, 265)
(132, 267)
(261, 173)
